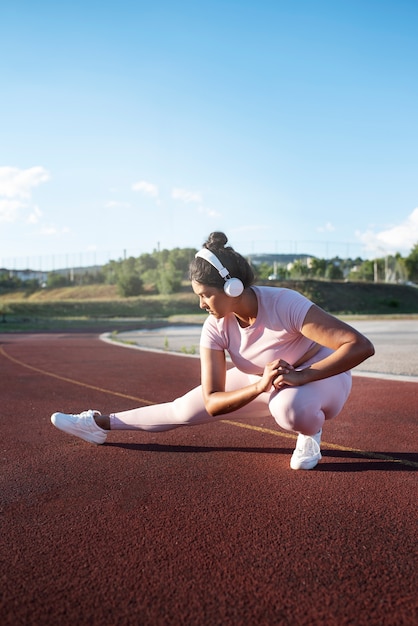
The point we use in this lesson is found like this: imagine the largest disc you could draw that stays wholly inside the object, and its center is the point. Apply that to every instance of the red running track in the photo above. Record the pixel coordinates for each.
(197, 526)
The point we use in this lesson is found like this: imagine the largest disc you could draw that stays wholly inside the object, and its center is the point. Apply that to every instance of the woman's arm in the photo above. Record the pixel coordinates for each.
(217, 400)
(350, 348)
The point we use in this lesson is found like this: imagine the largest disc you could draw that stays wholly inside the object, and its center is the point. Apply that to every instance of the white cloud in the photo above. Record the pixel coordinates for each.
(148, 189)
(399, 238)
(16, 183)
(328, 228)
(185, 196)
(35, 216)
(9, 210)
(15, 192)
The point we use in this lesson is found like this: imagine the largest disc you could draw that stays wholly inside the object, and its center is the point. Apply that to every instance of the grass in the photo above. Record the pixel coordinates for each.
(99, 308)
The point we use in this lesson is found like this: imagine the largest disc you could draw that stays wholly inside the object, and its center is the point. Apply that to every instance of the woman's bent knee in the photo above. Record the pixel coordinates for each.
(304, 409)
(303, 418)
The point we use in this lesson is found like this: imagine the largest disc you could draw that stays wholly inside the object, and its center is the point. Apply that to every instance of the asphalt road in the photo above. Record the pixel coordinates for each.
(395, 341)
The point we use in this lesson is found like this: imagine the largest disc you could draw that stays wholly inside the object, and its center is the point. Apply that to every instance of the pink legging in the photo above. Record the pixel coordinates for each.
(300, 409)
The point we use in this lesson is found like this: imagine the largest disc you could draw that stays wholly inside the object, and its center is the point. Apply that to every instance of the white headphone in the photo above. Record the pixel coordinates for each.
(233, 287)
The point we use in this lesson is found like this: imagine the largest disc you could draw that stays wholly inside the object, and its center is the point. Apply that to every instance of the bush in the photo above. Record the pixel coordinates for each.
(129, 285)
(55, 280)
(168, 281)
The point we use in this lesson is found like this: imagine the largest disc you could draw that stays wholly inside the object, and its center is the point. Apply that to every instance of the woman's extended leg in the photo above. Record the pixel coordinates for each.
(189, 410)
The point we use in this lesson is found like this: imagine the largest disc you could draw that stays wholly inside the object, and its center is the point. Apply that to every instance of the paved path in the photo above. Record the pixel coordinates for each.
(395, 341)
(202, 526)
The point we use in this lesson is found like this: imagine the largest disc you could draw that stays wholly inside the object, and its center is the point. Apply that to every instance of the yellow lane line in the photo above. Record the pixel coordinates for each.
(259, 429)
(331, 446)
(72, 380)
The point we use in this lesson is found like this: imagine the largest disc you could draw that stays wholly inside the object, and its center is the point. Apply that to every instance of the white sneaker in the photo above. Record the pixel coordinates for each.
(82, 425)
(307, 453)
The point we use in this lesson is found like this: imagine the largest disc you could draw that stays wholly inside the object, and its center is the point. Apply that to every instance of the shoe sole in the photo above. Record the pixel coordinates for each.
(307, 464)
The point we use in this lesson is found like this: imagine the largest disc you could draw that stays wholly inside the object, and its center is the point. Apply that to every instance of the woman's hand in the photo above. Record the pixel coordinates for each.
(288, 377)
(274, 374)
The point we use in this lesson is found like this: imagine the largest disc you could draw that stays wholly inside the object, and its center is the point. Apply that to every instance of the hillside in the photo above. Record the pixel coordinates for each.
(103, 301)
(359, 298)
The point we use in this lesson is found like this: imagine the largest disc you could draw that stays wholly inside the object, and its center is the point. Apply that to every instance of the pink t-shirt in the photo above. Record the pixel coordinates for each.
(276, 332)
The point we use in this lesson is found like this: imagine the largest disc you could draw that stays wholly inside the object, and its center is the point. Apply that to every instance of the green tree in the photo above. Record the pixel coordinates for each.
(400, 269)
(129, 284)
(411, 264)
(31, 285)
(129, 281)
(168, 279)
(110, 272)
(333, 272)
(180, 259)
(55, 280)
(8, 282)
(263, 271)
(363, 272)
(317, 268)
(147, 262)
(299, 270)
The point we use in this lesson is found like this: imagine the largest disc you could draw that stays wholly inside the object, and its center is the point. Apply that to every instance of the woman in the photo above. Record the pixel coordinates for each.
(291, 360)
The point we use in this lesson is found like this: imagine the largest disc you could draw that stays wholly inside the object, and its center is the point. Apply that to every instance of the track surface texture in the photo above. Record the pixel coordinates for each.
(202, 525)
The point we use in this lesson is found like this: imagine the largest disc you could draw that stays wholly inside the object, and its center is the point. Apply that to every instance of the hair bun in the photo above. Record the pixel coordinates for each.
(216, 241)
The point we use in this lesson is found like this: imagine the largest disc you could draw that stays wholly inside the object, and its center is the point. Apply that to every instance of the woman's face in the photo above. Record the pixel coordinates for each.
(212, 300)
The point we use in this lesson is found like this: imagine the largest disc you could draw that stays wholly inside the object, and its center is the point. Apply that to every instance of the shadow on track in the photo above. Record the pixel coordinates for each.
(392, 462)
(156, 447)
(369, 461)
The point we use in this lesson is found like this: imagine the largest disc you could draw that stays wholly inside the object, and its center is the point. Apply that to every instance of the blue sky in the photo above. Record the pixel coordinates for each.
(128, 126)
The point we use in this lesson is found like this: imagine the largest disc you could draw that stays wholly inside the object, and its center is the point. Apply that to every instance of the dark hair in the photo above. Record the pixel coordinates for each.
(201, 271)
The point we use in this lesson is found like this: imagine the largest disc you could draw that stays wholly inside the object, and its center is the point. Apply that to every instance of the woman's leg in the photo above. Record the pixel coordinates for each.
(189, 410)
(304, 409)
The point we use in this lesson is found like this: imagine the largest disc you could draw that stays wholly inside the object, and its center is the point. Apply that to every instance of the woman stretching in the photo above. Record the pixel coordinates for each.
(291, 360)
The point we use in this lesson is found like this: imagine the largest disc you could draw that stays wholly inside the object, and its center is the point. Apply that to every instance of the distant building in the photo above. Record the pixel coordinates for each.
(280, 259)
(41, 276)
(25, 275)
